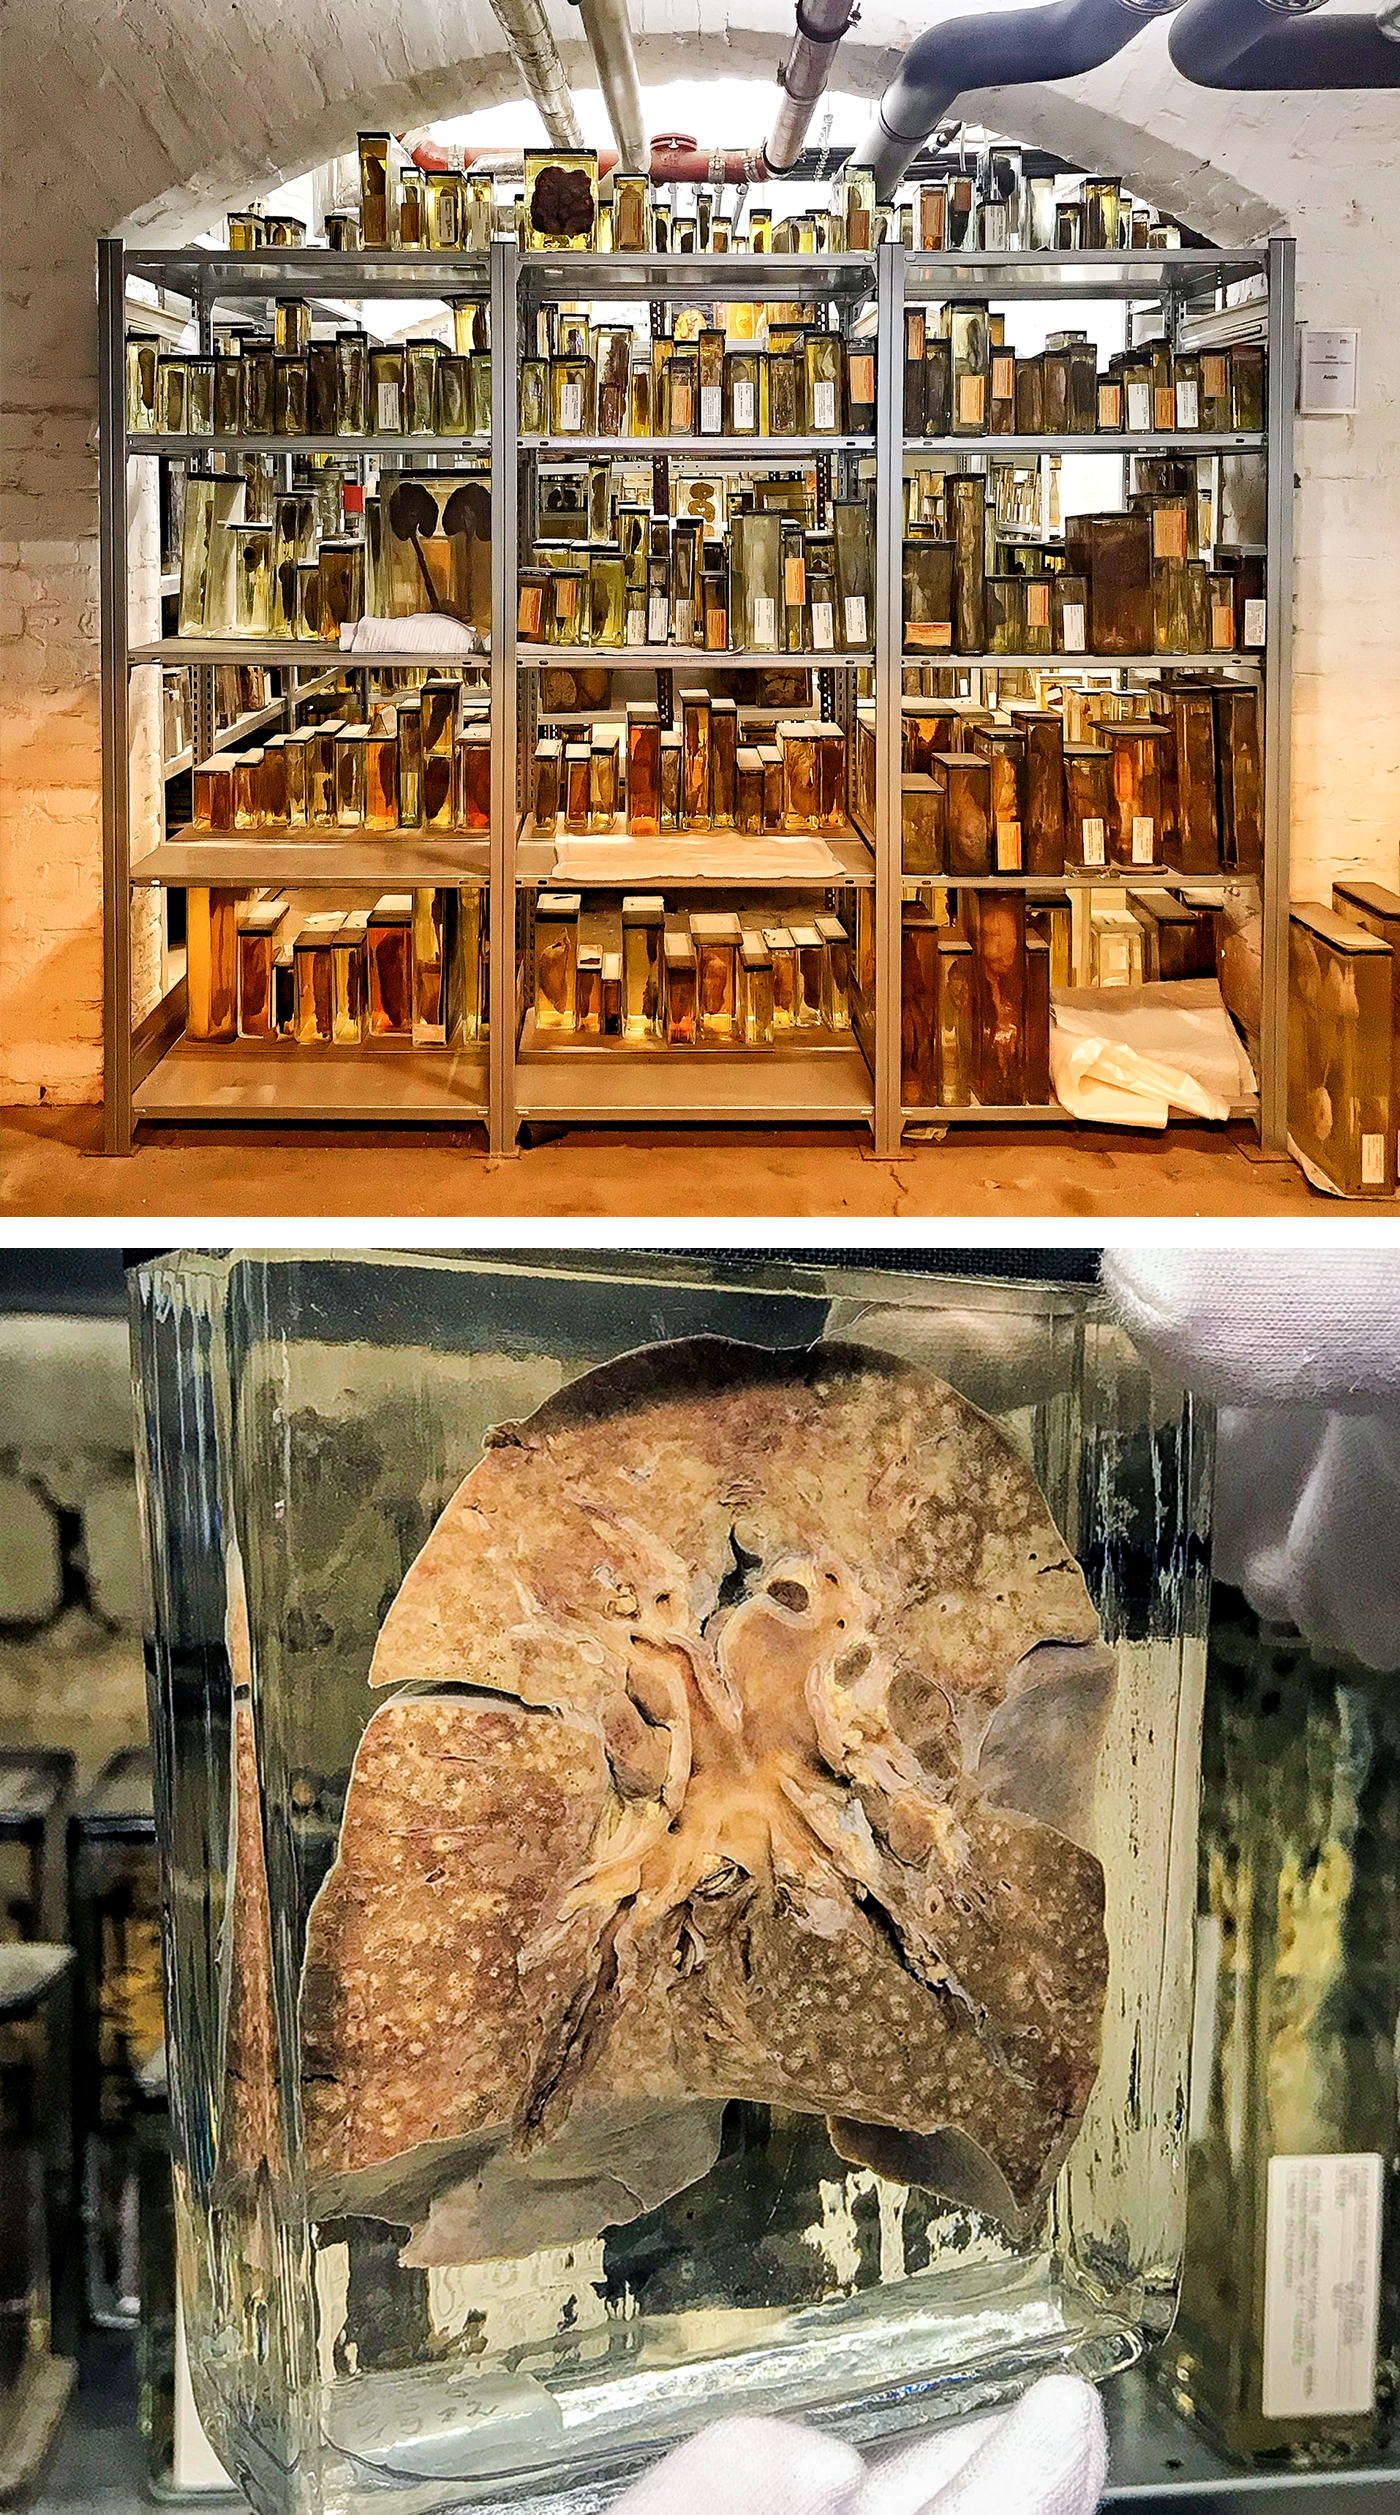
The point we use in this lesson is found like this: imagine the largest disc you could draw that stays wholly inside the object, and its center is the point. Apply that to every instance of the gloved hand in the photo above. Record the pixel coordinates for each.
(1047, 2456)
(1301, 1352)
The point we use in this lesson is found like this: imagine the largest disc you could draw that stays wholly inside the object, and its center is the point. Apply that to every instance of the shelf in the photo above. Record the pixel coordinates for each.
(1030, 1113)
(308, 651)
(943, 657)
(686, 658)
(822, 1078)
(203, 273)
(275, 1079)
(1086, 878)
(300, 859)
(755, 450)
(402, 444)
(935, 277)
(1099, 441)
(856, 865)
(229, 736)
(641, 277)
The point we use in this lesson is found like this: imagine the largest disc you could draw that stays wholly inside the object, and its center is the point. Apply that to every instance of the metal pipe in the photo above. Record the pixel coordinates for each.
(533, 50)
(805, 75)
(1059, 41)
(1247, 44)
(670, 160)
(609, 31)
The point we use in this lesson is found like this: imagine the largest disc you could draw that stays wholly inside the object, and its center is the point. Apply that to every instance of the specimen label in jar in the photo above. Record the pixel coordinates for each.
(749, 1711)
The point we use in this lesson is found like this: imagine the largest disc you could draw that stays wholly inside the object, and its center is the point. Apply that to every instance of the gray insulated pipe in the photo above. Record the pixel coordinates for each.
(1059, 41)
(1240, 44)
(535, 54)
(609, 31)
(805, 75)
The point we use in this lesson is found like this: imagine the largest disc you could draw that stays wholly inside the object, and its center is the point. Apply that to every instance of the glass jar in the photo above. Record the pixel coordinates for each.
(561, 199)
(341, 583)
(172, 382)
(142, 359)
(199, 397)
(643, 768)
(961, 215)
(453, 413)
(289, 395)
(1038, 224)
(782, 374)
(678, 393)
(420, 364)
(351, 775)
(477, 212)
(679, 994)
(375, 195)
(971, 353)
(1101, 214)
(247, 232)
(823, 362)
(630, 205)
(855, 569)
(386, 392)
(351, 383)
(534, 397)
(343, 231)
(928, 594)
(643, 923)
(571, 397)
(1069, 227)
(607, 580)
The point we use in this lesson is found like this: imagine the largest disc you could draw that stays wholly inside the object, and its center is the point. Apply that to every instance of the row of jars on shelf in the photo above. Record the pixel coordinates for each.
(420, 761)
(693, 980)
(716, 770)
(414, 968)
(767, 585)
(992, 206)
(345, 385)
(960, 379)
(603, 382)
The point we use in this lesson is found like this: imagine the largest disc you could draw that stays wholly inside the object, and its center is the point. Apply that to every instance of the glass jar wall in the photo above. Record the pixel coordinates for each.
(467, 2205)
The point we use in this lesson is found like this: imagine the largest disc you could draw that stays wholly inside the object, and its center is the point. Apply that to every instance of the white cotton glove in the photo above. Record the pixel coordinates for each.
(1301, 1353)
(1047, 2456)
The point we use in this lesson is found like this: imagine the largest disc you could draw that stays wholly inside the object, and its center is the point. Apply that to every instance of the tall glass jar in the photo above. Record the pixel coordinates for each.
(360, 1474)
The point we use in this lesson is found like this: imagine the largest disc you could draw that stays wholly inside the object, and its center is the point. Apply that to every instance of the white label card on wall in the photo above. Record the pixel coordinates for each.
(1322, 2286)
(1255, 619)
(1326, 373)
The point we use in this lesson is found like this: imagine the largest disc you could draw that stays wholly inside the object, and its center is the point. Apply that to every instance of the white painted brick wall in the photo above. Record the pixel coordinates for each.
(172, 113)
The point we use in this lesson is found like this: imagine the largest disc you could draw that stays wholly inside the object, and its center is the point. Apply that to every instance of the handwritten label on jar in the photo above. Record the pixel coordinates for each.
(636, 628)
(860, 377)
(1072, 626)
(764, 620)
(1038, 604)
(1213, 372)
(570, 407)
(1222, 624)
(1110, 406)
(824, 628)
(1094, 842)
(794, 580)
(743, 406)
(1322, 2286)
(386, 408)
(1140, 407)
(1255, 615)
(971, 398)
(855, 619)
(658, 620)
(529, 610)
(685, 619)
(1188, 406)
(1008, 846)
(711, 410)
(1169, 532)
(1373, 1161)
(824, 406)
(1142, 839)
(1003, 376)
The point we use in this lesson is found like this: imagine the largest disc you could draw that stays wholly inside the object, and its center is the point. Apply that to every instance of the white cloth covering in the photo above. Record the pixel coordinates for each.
(1301, 1353)
(1127, 1055)
(420, 633)
(1047, 2456)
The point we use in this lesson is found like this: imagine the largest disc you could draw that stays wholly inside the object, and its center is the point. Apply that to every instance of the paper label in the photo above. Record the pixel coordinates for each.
(685, 619)
(929, 633)
(716, 628)
(1322, 2286)
(794, 579)
(682, 419)
(1110, 406)
(1188, 406)
(711, 410)
(824, 406)
(565, 597)
(528, 610)
(1143, 831)
(1008, 846)
(765, 629)
(1164, 406)
(1222, 624)
(971, 400)
(855, 619)
(1003, 376)
(387, 407)
(824, 628)
(860, 378)
(913, 336)
(743, 405)
(570, 407)
(1072, 625)
(658, 620)
(637, 627)
(1255, 616)
(1213, 378)
(1169, 532)
(1373, 1161)
(1140, 408)
(1038, 603)
(1094, 843)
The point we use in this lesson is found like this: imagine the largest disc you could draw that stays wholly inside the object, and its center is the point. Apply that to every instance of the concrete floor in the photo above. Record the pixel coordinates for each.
(51, 1165)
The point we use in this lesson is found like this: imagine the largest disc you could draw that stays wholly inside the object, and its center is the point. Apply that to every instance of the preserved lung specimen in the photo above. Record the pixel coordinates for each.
(765, 1702)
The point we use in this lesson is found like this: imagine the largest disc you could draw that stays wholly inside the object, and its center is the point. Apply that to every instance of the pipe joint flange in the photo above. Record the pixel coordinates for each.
(829, 39)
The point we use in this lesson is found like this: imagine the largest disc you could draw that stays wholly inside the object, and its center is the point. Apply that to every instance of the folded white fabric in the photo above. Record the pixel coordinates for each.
(1301, 1352)
(420, 633)
(1047, 2456)
(1126, 1055)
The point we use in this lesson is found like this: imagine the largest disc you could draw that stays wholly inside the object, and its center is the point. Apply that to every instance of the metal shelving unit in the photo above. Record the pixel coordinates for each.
(152, 1072)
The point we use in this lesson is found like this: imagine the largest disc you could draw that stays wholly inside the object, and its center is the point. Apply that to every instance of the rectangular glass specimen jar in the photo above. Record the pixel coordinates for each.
(368, 1833)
